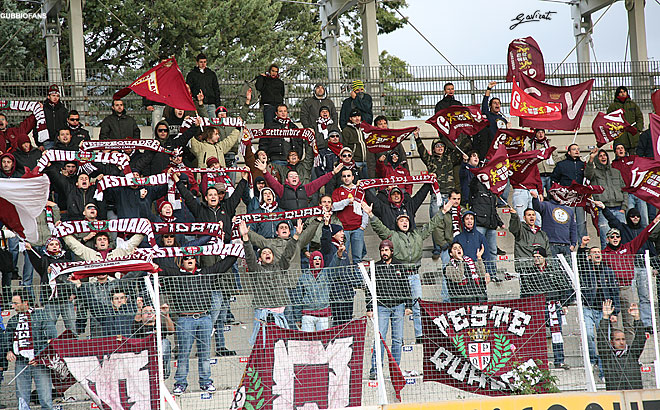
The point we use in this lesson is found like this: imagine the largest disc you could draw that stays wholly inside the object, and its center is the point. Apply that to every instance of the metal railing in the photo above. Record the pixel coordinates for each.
(408, 91)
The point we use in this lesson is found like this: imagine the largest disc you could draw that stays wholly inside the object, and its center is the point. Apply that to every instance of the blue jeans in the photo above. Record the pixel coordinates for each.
(210, 110)
(641, 281)
(41, 376)
(261, 315)
(634, 202)
(416, 291)
(189, 330)
(580, 219)
(490, 254)
(522, 199)
(167, 355)
(385, 315)
(314, 323)
(28, 269)
(560, 248)
(444, 292)
(219, 308)
(592, 319)
(547, 184)
(269, 113)
(434, 208)
(356, 240)
(604, 226)
(66, 310)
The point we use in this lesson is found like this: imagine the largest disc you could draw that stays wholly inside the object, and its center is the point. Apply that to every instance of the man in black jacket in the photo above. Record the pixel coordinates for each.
(271, 88)
(119, 125)
(203, 79)
(448, 100)
(394, 301)
(565, 173)
(278, 149)
(56, 114)
(76, 196)
(74, 125)
(484, 204)
(388, 206)
(620, 361)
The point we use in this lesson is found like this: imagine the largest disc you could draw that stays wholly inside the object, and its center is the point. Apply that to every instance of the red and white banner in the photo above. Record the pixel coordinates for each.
(149, 145)
(524, 56)
(381, 140)
(306, 134)
(477, 347)
(641, 177)
(116, 373)
(513, 140)
(87, 269)
(655, 100)
(573, 100)
(36, 109)
(277, 216)
(217, 249)
(164, 83)
(456, 120)
(495, 174)
(365, 184)
(111, 181)
(524, 105)
(22, 200)
(610, 126)
(654, 126)
(575, 194)
(289, 369)
(127, 225)
(524, 171)
(83, 157)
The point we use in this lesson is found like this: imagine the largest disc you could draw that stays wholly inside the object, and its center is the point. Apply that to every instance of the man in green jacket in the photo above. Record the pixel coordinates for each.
(408, 247)
(631, 113)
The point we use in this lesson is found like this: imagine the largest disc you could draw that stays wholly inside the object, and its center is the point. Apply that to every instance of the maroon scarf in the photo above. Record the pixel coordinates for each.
(335, 147)
(456, 222)
(471, 267)
(23, 341)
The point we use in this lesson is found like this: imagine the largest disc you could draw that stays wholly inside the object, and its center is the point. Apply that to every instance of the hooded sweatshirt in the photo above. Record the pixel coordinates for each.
(609, 178)
(471, 239)
(630, 231)
(12, 172)
(391, 168)
(27, 158)
(621, 258)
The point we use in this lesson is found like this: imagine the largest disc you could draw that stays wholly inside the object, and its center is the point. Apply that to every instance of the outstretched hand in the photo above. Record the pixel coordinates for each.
(366, 208)
(608, 309)
(243, 229)
(261, 166)
(634, 311)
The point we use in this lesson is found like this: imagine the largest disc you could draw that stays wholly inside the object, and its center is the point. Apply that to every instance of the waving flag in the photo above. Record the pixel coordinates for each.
(513, 140)
(655, 100)
(524, 56)
(495, 173)
(573, 99)
(575, 194)
(641, 177)
(524, 170)
(525, 106)
(381, 140)
(164, 83)
(21, 201)
(456, 120)
(654, 121)
(610, 126)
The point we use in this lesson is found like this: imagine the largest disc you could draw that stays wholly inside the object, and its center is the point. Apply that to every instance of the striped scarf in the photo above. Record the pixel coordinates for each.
(37, 111)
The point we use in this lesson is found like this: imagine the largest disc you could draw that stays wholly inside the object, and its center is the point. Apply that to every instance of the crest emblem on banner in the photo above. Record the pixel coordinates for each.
(486, 356)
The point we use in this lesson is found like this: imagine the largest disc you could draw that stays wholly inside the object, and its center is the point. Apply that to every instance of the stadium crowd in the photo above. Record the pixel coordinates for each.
(302, 274)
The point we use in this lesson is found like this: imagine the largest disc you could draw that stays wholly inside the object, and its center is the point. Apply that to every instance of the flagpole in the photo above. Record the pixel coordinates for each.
(19, 373)
(575, 135)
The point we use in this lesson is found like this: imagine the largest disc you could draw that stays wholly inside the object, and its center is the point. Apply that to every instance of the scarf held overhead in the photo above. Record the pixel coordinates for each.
(37, 110)
(365, 184)
(149, 145)
(301, 133)
(111, 181)
(82, 157)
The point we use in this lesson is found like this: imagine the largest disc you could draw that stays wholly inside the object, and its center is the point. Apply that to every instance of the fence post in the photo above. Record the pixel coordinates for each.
(370, 281)
(654, 323)
(575, 278)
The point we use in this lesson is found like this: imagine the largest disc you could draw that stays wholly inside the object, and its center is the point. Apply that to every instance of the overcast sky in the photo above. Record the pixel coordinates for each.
(477, 31)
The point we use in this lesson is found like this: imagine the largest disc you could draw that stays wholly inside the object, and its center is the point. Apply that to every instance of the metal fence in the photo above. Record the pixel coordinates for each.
(407, 91)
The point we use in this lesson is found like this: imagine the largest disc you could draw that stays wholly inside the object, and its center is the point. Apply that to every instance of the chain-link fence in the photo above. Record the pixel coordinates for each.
(293, 338)
(407, 91)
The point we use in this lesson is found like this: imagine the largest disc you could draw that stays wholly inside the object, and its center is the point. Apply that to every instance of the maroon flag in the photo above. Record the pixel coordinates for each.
(495, 173)
(292, 369)
(641, 177)
(381, 140)
(454, 121)
(115, 373)
(573, 101)
(164, 83)
(654, 121)
(575, 194)
(524, 105)
(655, 100)
(513, 140)
(524, 56)
(476, 347)
(524, 171)
(610, 126)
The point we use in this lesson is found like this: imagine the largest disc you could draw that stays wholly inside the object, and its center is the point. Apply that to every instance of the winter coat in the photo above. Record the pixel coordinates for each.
(526, 239)
(271, 89)
(8, 136)
(440, 165)
(42, 332)
(633, 114)
(552, 281)
(79, 133)
(484, 204)
(387, 211)
(41, 261)
(278, 245)
(204, 150)
(609, 178)
(205, 81)
(392, 285)
(362, 102)
(296, 197)
(56, 116)
(353, 138)
(278, 148)
(569, 170)
(462, 287)
(389, 169)
(495, 120)
(408, 246)
(470, 239)
(446, 102)
(309, 113)
(597, 282)
(622, 258)
(630, 231)
(621, 372)
(119, 127)
(645, 145)
(89, 254)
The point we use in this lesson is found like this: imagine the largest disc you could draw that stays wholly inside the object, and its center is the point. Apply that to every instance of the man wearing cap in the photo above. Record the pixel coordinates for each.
(387, 206)
(119, 125)
(56, 114)
(26, 154)
(621, 258)
(346, 160)
(394, 301)
(194, 322)
(549, 278)
(311, 111)
(353, 138)
(359, 100)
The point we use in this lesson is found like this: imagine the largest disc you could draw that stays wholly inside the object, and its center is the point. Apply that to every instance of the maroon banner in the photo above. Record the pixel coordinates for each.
(524, 171)
(573, 101)
(641, 177)
(524, 56)
(456, 120)
(292, 369)
(381, 140)
(115, 373)
(524, 105)
(164, 83)
(575, 194)
(495, 173)
(654, 126)
(655, 100)
(610, 126)
(513, 140)
(476, 347)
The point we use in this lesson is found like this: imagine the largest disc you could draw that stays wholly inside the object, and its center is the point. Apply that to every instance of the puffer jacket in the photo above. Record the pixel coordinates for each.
(204, 150)
(633, 114)
(440, 165)
(408, 246)
(484, 204)
(609, 178)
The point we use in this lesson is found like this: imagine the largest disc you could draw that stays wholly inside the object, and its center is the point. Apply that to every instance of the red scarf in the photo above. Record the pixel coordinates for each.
(23, 341)
(456, 222)
(286, 122)
(534, 228)
(323, 126)
(471, 266)
(335, 147)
